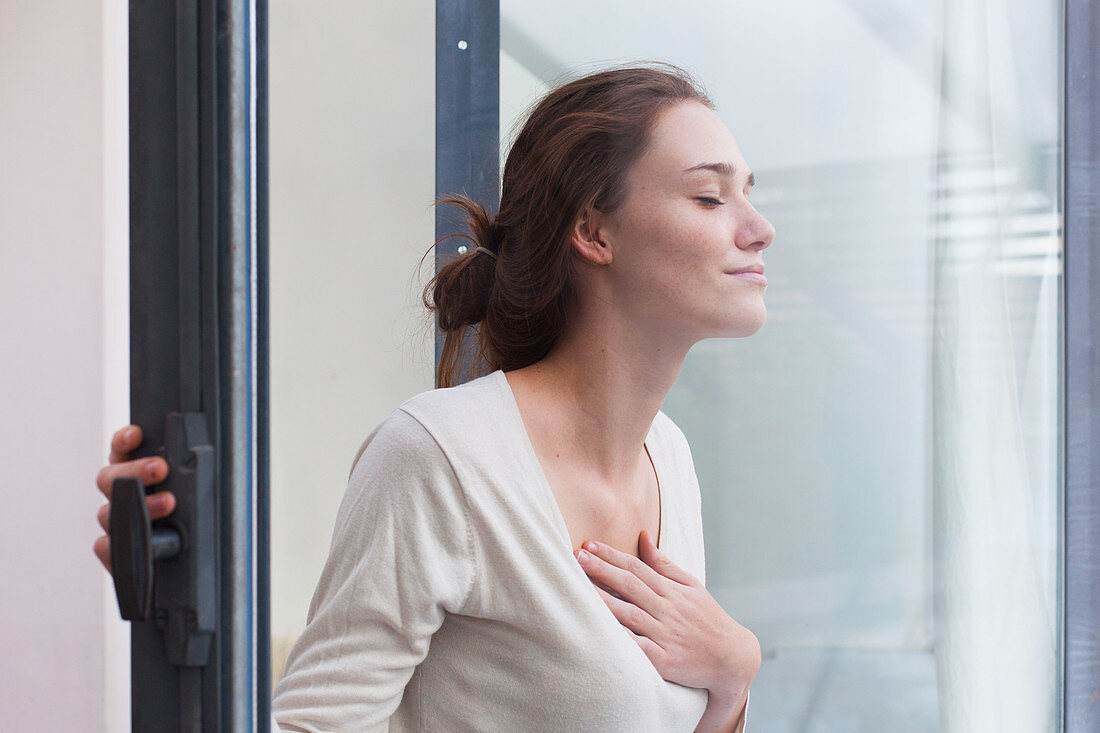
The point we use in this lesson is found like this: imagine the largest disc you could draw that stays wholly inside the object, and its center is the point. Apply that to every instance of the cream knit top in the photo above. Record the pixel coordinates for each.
(451, 599)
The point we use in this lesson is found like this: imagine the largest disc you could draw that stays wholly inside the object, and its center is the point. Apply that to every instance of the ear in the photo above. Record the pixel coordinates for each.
(589, 238)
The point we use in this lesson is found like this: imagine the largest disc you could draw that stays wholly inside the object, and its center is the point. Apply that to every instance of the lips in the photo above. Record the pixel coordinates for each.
(755, 273)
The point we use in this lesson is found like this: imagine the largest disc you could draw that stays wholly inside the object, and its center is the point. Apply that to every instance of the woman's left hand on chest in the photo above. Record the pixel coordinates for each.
(687, 636)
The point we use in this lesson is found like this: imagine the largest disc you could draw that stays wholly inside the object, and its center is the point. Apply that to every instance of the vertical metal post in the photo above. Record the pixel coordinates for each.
(173, 344)
(245, 641)
(467, 118)
(1081, 695)
(261, 400)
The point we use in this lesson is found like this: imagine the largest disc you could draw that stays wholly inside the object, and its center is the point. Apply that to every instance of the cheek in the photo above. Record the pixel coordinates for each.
(692, 256)
(679, 271)
(675, 252)
(675, 234)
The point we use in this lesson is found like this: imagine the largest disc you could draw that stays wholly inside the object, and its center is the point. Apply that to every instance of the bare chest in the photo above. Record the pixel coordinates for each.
(614, 515)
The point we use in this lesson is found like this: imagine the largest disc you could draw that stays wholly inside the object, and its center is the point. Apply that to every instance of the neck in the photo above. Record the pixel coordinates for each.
(600, 388)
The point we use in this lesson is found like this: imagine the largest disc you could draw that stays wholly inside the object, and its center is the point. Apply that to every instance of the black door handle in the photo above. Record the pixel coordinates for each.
(134, 547)
(169, 572)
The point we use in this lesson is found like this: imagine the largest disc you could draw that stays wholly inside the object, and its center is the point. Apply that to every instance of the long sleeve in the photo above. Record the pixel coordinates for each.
(401, 558)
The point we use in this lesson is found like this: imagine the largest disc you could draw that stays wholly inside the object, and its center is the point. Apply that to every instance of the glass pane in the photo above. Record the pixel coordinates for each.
(880, 464)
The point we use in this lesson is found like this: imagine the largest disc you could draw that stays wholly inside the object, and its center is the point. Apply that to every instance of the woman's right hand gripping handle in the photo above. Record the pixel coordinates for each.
(150, 470)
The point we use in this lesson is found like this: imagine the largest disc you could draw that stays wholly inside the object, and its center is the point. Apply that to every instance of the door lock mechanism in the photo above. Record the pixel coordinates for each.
(167, 569)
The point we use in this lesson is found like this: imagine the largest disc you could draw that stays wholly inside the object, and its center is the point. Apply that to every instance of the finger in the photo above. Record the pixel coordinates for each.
(160, 504)
(651, 649)
(626, 584)
(125, 441)
(151, 471)
(633, 618)
(606, 589)
(102, 549)
(628, 562)
(656, 560)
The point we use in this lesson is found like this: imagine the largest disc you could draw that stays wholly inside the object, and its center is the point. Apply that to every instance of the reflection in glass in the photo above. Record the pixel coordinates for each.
(880, 464)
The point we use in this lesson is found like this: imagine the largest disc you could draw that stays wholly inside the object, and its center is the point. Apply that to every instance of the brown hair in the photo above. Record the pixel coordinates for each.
(572, 154)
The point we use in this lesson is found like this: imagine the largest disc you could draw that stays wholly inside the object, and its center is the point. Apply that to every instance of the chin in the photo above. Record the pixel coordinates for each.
(748, 330)
(745, 323)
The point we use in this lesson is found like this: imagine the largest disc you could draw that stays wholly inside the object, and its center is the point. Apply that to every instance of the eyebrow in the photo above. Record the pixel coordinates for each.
(722, 169)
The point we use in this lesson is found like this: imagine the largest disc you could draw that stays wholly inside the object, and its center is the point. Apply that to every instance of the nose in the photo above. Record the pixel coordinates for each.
(756, 233)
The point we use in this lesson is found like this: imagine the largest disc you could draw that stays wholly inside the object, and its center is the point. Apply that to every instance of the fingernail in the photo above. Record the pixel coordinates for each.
(152, 469)
(128, 435)
(582, 557)
(159, 502)
(592, 546)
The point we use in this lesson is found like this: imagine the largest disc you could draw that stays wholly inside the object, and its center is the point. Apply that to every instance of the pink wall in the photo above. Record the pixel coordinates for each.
(62, 375)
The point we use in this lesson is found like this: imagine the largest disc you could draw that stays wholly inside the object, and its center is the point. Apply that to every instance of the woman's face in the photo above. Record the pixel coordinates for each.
(685, 228)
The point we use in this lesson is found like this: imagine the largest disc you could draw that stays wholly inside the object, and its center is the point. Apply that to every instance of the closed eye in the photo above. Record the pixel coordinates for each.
(710, 202)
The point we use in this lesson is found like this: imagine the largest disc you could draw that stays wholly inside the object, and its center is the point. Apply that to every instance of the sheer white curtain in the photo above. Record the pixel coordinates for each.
(997, 280)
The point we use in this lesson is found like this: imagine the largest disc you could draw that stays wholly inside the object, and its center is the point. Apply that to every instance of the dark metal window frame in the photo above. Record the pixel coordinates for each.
(1081, 518)
(198, 314)
(467, 124)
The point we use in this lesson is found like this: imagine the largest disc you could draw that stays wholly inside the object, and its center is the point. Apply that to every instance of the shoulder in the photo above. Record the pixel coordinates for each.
(402, 478)
(398, 439)
(422, 425)
(438, 408)
(687, 493)
(671, 433)
(465, 420)
(677, 453)
(666, 423)
(437, 425)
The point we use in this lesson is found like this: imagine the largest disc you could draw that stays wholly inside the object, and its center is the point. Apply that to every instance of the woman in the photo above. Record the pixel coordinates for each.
(494, 563)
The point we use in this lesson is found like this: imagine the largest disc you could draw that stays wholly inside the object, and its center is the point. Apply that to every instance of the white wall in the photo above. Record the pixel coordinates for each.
(63, 361)
(352, 176)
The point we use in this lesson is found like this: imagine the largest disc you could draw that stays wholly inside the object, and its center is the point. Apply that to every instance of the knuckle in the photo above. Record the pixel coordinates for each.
(756, 654)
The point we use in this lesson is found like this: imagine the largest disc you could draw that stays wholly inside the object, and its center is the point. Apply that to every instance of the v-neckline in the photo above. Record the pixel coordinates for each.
(544, 483)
